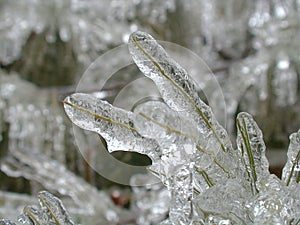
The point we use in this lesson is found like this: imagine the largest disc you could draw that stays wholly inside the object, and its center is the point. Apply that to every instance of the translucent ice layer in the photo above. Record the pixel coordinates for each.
(51, 211)
(252, 149)
(114, 124)
(290, 173)
(176, 87)
(209, 181)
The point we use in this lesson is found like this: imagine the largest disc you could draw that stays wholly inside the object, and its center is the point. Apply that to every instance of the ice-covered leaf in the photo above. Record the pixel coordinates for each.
(50, 212)
(251, 148)
(36, 215)
(291, 170)
(177, 88)
(114, 124)
(55, 208)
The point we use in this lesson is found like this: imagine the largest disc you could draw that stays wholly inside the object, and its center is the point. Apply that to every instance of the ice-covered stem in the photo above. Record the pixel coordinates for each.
(179, 91)
(112, 123)
(252, 148)
(7, 222)
(290, 172)
(175, 85)
(51, 211)
(55, 177)
(55, 208)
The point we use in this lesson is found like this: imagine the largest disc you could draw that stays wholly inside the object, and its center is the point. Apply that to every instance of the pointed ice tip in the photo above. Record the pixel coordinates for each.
(244, 115)
(44, 194)
(139, 35)
(44, 197)
(78, 100)
(67, 104)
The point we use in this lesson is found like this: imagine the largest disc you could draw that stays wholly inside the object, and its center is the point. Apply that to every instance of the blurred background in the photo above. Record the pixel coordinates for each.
(252, 47)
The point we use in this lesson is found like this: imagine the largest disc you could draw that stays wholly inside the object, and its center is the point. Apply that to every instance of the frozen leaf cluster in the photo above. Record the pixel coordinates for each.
(50, 211)
(37, 140)
(209, 180)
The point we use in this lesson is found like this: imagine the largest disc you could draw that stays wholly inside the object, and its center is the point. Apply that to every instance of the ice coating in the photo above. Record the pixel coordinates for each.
(182, 167)
(251, 147)
(290, 172)
(48, 172)
(179, 91)
(274, 204)
(209, 181)
(267, 84)
(176, 87)
(154, 119)
(231, 208)
(151, 201)
(38, 216)
(114, 124)
(55, 207)
(50, 212)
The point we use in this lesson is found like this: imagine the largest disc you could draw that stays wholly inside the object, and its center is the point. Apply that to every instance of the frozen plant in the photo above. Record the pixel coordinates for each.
(51, 211)
(36, 136)
(210, 181)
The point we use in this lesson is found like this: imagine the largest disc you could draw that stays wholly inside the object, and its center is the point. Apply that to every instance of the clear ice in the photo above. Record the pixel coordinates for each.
(290, 173)
(209, 181)
(37, 137)
(49, 212)
(114, 124)
(204, 179)
(251, 148)
(268, 79)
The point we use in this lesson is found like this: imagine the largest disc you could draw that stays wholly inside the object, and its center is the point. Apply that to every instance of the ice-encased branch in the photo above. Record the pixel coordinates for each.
(290, 172)
(112, 123)
(51, 211)
(55, 208)
(251, 148)
(49, 172)
(179, 91)
(176, 87)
